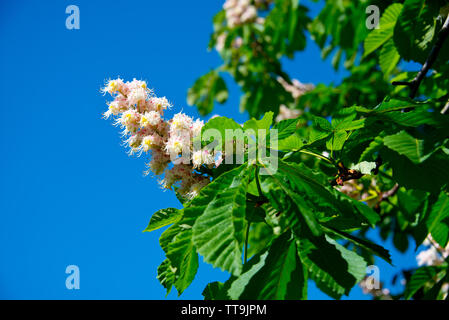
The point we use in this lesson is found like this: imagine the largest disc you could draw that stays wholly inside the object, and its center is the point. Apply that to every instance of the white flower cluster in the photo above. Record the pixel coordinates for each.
(140, 114)
(434, 255)
(239, 12)
(297, 89)
(221, 41)
(368, 287)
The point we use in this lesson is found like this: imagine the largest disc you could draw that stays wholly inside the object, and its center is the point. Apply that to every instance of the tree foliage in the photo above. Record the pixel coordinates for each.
(364, 154)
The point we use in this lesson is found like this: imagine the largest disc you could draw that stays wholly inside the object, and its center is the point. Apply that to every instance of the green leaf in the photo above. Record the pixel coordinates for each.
(371, 216)
(415, 29)
(285, 26)
(438, 220)
(214, 291)
(218, 233)
(220, 124)
(405, 144)
(179, 249)
(162, 218)
(365, 244)
(315, 186)
(373, 147)
(178, 246)
(263, 123)
(207, 89)
(300, 204)
(348, 125)
(321, 129)
(286, 128)
(334, 268)
(389, 57)
(419, 279)
(336, 141)
(277, 275)
(420, 113)
(430, 175)
(291, 143)
(166, 275)
(380, 36)
(364, 167)
(177, 241)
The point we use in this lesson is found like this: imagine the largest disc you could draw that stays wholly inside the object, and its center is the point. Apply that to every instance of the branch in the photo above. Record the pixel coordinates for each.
(415, 83)
(390, 192)
(385, 195)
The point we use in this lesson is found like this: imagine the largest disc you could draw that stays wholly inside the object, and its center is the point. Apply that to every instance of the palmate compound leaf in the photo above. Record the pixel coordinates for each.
(315, 186)
(301, 206)
(218, 233)
(177, 241)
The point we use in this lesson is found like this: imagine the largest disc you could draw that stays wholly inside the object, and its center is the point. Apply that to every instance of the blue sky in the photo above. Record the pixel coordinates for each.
(69, 192)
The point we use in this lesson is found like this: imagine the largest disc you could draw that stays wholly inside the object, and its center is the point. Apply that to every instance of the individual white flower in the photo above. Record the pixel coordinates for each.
(180, 122)
(150, 119)
(196, 127)
(176, 144)
(117, 106)
(133, 143)
(230, 4)
(220, 43)
(197, 159)
(129, 120)
(137, 95)
(249, 14)
(137, 84)
(160, 104)
(113, 86)
(151, 141)
(208, 157)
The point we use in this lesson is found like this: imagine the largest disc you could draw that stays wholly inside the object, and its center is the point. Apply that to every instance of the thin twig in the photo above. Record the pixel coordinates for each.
(415, 83)
(330, 160)
(446, 108)
(390, 193)
(246, 241)
(386, 195)
(259, 189)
